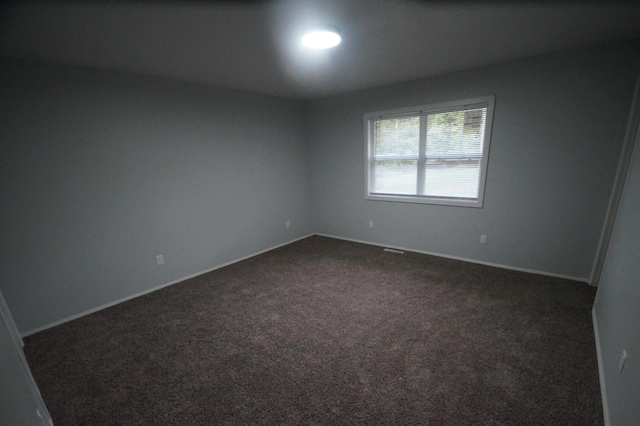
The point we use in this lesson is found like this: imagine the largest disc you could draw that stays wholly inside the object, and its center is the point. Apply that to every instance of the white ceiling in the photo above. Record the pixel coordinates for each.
(255, 45)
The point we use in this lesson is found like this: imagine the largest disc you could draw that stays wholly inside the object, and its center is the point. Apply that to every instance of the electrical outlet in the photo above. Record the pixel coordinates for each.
(288, 224)
(623, 358)
(483, 239)
(160, 259)
(370, 224)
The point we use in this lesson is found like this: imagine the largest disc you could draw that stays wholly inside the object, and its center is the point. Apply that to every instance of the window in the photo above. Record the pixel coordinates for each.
(435, 154)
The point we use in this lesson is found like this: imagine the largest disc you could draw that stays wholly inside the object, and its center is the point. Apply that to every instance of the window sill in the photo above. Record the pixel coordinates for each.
(457, 202)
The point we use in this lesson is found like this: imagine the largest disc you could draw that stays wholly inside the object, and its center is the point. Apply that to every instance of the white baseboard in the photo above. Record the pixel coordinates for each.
(151, 290)
(603, 388)
(465, 259)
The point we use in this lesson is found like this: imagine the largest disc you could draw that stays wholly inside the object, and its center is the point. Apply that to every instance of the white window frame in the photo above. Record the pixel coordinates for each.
(424, 110)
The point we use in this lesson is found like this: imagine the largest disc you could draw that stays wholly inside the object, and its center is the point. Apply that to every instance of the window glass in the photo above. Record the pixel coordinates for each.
(433, 154)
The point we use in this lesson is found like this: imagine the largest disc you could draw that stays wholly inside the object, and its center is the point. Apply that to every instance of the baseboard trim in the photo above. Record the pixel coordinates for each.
(464, 259)
(603, 388)
(159, 287)
(156, 288)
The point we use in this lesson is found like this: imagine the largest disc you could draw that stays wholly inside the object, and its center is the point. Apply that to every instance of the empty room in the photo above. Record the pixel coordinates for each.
(320, 212)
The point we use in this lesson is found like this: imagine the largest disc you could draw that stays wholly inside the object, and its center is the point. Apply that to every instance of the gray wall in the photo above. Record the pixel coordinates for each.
(617, 307)
(558, 128)
(102, 171)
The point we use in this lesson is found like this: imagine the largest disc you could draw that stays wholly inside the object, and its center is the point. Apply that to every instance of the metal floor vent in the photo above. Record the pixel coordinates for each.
(390, 250)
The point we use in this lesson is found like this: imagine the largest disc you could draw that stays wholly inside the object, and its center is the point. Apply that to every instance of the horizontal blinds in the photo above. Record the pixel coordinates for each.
(397, 137)
(450, 159)
(456, 134)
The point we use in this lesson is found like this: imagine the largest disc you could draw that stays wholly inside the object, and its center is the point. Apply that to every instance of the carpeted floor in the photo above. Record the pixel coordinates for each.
(324, 331)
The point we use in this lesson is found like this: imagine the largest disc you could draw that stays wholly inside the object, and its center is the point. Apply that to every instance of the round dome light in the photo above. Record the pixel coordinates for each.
(321, 39)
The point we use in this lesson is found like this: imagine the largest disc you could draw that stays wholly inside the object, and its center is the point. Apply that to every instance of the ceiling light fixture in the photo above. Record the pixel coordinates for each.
(323, 38)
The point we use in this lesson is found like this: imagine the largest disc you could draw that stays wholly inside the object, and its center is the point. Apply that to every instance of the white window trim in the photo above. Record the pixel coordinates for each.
(484, 101)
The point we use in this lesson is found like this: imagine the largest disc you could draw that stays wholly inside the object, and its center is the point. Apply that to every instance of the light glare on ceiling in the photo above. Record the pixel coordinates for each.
(321, 39)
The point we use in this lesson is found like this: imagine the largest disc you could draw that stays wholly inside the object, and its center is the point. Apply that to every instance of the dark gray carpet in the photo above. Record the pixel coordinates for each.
(324, 331)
